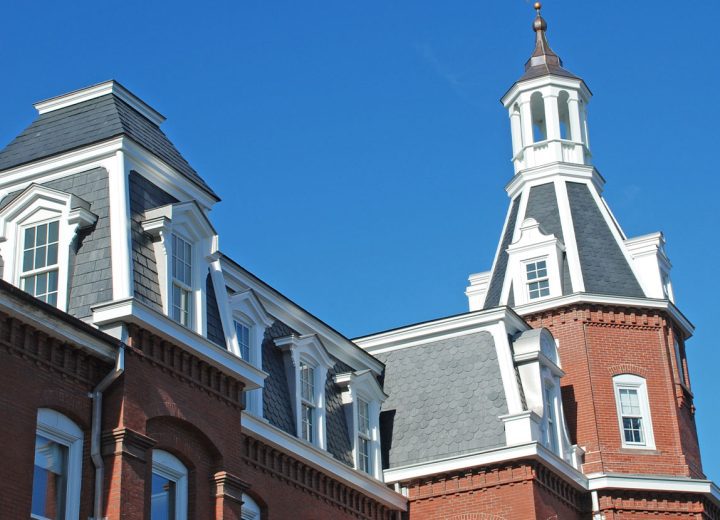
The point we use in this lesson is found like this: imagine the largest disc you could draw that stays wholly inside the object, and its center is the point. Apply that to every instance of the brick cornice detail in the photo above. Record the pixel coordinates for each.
(23, 340)
(128, 442)
(184, 366)
(287, 469)
(601, 315)
(229, 486)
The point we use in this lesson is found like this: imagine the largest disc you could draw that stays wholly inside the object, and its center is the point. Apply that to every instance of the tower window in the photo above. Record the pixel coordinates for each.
(538, 283)
(40, 261)
(633, 411)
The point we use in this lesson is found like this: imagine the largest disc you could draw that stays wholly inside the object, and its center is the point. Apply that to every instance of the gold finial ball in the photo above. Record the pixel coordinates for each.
(538, 6)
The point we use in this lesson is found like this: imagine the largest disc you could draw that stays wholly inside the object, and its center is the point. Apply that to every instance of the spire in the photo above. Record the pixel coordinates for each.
(543, 60)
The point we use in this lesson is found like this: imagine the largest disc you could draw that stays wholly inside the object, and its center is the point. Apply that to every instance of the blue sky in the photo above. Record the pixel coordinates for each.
(360, 147)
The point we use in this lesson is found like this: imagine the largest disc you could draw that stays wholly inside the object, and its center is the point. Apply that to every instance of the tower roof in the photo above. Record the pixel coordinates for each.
(92, 115)
(543, 60)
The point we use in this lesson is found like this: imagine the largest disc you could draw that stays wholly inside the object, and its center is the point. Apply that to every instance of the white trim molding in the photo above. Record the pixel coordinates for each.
(106, 316)
(34, 206)
(168, 466)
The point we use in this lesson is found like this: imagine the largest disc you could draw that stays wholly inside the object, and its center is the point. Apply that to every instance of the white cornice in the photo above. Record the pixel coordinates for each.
(541, 81)
(423, 332)
(95, 91)
(549, 172)
(647, 303)
(532, 450)
(654, 483)
(298, 318)
(131, 310)
(322, 461)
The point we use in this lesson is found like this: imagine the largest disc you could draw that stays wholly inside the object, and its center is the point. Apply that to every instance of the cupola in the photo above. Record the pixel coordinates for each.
(547, 109)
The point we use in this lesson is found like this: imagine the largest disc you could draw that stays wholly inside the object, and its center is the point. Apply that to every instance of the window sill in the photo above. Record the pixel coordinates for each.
(640, 450)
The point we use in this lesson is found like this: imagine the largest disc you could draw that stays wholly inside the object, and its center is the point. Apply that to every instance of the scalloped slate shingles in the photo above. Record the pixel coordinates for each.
(91, 122)
(446, 397)
(604, 267)
(498, 275)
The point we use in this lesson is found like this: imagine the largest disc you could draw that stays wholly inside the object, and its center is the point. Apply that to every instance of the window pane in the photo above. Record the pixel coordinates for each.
(41, 284)
(243, 336)
(41, 235)
(52, 254)
(363, 418)
(49, 479)
(29, 238)
(364, 455)
(308, 417)
(53, 231)
(40, 257)
(162, 504)
(28, 257)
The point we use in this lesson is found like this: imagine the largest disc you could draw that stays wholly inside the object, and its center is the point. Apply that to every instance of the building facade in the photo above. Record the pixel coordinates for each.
(145, 374)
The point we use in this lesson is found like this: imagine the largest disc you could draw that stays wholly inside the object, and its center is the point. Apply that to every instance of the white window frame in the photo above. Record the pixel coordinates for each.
(245, 307)
(58, 428)
(36, 205)
(307, 349)
(531, 246)
(187, 221)
(168, 466)
(181, 284)
(528, 281)
(551, 427)
(633, 382)
(356, 386)
(46, 269)
(308, 403)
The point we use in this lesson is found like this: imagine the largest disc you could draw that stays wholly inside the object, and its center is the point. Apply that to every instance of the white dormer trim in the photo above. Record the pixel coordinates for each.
(651, 264)
(532, 245)
(245, 307)
(96, 91)
(356, 386)
(187, 221)
(536, 357)
(308, 349)
(35, 205)
(477, 289)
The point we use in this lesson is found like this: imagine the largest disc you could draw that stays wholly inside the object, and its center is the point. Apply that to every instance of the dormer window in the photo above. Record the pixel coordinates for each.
(363, 397)
(538, 282)
(185, 244)
(38, 228)
(550, 419)
(182, 281)
(40, 261)
(243, 338)
(307, 364)
(307, 401)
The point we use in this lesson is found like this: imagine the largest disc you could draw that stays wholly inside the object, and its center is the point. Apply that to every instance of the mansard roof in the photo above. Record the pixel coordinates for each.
(445, 399)
(92, 121)
(604, 266)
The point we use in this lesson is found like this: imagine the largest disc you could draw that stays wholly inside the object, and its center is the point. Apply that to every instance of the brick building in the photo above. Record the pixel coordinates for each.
(167, 382)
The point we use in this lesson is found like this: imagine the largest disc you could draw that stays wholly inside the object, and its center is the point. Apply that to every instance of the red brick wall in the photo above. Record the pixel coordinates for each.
(620, 505)
(38, 372)
(519, 491)
(597, 343)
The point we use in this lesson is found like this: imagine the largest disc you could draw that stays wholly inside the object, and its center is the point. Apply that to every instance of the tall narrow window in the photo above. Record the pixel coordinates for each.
(538, 283)
(243, 337)
(57, 469)
(182, 281)
(633, 411)
(40, 261)
(364, 438)
(552, 439)
(307, 401)
(168, 488)
(564, 115)
(679, 361)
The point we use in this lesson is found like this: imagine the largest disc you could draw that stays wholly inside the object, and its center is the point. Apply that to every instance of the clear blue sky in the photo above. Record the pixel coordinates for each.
(360, 147)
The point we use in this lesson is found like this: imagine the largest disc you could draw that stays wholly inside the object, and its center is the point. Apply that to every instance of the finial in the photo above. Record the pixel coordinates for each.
(539, 24)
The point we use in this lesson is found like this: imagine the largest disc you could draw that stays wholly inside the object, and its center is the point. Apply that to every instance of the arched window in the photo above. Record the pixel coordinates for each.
(539, 124)
(633, 409)
(516, 129)
(58, 467)
(169, 487)
(564, 115)
(250, 509)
